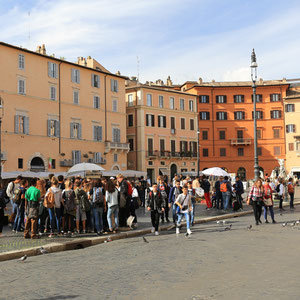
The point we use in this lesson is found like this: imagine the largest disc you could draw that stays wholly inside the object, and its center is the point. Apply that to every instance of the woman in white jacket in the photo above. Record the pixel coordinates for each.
(111, 196)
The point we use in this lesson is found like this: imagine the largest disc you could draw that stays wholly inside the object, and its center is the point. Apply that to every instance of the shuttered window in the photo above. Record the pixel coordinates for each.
(239, 115)
(53, 128)
(21, 87)
(204, 115)
(150, 120)
(75, 130)
(162, 121)
(221, 99)
(116, 135)
(75, 75)
(275, 114)
(52, 70)
(221, 115)
(182, 122)
(53, 93)
(95, 80)
(21, 62)
(76, 157)
(21, 124)
(114, 85)
(96, 102)
(97, 133)
(76, 97)
(238, 98)
(290, 128)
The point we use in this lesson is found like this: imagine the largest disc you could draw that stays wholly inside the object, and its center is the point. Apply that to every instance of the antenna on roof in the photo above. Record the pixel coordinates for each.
(138, 68)
(29, 30)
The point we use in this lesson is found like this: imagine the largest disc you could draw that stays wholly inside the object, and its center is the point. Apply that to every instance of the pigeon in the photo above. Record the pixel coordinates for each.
(283, 225)
(23, 258)
(249, 227)
(224, 222)
(218, 222)
(145, 241)
(297, 222)
(228, 227)
(280, 214)
(43, 250)
(293, 224)
(186, 235)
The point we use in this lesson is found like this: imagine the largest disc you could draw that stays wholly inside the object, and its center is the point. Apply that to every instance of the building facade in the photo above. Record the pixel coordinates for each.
(227, 128)
(56, 113)
(161, 130)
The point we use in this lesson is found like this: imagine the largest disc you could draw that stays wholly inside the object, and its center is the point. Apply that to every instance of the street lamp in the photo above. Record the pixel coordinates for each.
(254, 78)
(198, 153)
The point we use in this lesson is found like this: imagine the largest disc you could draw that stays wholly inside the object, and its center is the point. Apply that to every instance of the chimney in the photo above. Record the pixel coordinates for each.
(261, 81)
(200, 80)
(38, 49)
(169, 81)
(43, 49)
(118, 73)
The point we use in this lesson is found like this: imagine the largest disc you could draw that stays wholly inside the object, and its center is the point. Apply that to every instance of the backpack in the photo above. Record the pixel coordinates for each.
(278, 188)
(98, 198)
(223, 187)
(290, 188)
(49, 199)
(17, 196)
(130, 190)
(69, 198)
(83, 200)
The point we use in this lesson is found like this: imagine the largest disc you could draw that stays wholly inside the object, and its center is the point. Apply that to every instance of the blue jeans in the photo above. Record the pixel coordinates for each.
(58, 218)
(19, 217)
(187, 218)
(13, 207)
(271, 212)
(174, 207)
(192, 213)
(51, 216)
(98, 215)
(226, 198)
(113, 210)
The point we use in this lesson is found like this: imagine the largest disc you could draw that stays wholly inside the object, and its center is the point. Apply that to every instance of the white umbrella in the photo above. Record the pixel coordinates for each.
(216, 171)
(83, 168)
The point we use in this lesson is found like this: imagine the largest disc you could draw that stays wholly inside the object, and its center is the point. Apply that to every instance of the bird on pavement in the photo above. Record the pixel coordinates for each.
(23, 258)
(297, 222)
(224, 222)
(283, 225)
(249, 227)
(145, 240)
(43, 250)
(228, 227)
(293, 224)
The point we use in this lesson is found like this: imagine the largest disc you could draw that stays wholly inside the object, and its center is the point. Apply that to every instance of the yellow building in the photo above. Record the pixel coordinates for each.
(161, 129)
(56, 113)
(292, 129)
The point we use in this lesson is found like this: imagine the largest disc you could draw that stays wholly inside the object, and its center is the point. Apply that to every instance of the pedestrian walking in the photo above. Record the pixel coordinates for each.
(164, 191)
(192, 194)
(239, 191)
(174, 193)
(111, 196)
(255, 198)
(268, 201)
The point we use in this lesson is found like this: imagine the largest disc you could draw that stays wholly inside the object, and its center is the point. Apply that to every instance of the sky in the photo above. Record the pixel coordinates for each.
(211, 39)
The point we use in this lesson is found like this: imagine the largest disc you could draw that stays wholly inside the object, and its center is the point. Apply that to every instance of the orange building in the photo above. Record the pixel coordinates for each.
(161, 129)
(226, 124)
(57, 113)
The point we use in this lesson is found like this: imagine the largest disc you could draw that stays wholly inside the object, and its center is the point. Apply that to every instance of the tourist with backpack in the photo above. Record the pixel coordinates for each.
(20, 202)
(68, 196)
(155, 206)
(111, 197)
(291, 191)
(125, 190)
(99, 205)
(225, 189)
(82, 204)
(164, 191)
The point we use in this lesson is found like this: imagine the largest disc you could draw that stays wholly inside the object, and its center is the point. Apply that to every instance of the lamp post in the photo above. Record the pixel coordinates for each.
(198, 153)
(254, 78)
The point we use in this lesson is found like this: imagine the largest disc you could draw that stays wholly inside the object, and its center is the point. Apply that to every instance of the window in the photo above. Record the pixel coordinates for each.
(172, 103)
(291, 146)
(75, 75)
(97, 133)
(95, 81)
(115, 105)
(161, 101)
(259, 151)
(275, 114)
(277, 150)
(204, 115)
(258, 133)
(150, 120)
(240, 151)
(258, 98)
(150, 146)
(114, 85)
(130, 100)
(192, 124)
(183, 146)
(173, 123)
(53, 128)
(75, 129)
(240, 134)
(116, 135)
(222, 151)
(275, 97)
(222, 135)
(162, 147)
(21, 124)
(221, 99)
(204, 99)
(290, 128)
(290, 107)
(131, 144)
(276, 133)
(97, 157)
(193, 147)
(191, 105)
(238, 99)
(76, 97)
(204, 135)
(21, 87)
(97, 102)
(52, 93)
(115, 157)
(239, 115)
(76, 157)
(182, 104)
(149, 100)
(173, 147)
(182, 122)
(53, 163)
(20, 163)
(21, 63)
(221, 115)
(52, 70)
(259, 115)
(130, 120)
(205, 152)
(162, 121)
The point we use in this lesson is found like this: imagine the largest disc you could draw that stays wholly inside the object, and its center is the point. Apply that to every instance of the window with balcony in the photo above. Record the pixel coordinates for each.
(204, 99)
(149, 100)
(240, 151)
(183, 147)
(76, 130)
(75, 75)
(114, 85)
(161, 101)
(181, 104)
(150, 120)
(150, 146)
(205, 152)
(221, 115)
(172, 103)
(239, 115)
(116, 135)
(221, 99)
(182, 122)
(52, 70)
(97, 157)
(275, 97)
(289, 107)
(162, 147)
(21, 62)
(192, 124)
(290, 128)
(130, 100)
(238, 98)
(222, 151)
(21, 124)
(275, 114)
(162, 121)
(204, 135)
(173, 127)
(97, 133)
(258, 98)
(204, 115)
(191, 105)
(96, 102)
(95, 80)
(173, 147)
(130, 120)
(222, 134)
(53, 128)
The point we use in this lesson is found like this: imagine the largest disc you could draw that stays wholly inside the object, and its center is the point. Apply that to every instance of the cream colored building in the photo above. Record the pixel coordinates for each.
(56, 113)
(292, 129)
(161, 129)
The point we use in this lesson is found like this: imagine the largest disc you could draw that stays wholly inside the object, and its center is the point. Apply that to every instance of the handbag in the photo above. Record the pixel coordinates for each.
(250, 201)
(136, 202)
(268, 202)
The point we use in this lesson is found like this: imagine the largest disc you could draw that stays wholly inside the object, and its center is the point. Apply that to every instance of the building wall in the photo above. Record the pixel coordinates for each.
(37, 106)
(267, 142)
(160, 163)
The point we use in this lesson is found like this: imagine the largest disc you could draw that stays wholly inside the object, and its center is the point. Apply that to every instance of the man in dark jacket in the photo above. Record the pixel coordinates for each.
(155, 205)
(239, 190)
(219, 198)
(124, 211)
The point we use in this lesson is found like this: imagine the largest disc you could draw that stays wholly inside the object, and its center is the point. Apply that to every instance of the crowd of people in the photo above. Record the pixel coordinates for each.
(72, 206)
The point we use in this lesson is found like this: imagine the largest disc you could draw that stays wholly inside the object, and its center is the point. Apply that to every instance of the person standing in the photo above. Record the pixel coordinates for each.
(111, 196)
(219, 198)
(205, 185)
(98, 206)
(125, 198)
(256, 198)
(32, 198)
(239, 191)
(163, 189)
(68, 196)
(291, 191)
(281, 191)
(20, 202)
(268, 201)
(3, 201)
(192, 194)
(225, 189)
(82, 204)
(155, 205)
(174, 193)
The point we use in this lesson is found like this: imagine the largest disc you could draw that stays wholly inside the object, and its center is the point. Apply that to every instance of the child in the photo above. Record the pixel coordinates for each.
(155, 205)
(185, 206)
(192, 193)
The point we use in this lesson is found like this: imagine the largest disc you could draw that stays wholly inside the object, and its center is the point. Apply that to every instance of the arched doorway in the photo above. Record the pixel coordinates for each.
(37, 165)
(241, 173)
(173, 171)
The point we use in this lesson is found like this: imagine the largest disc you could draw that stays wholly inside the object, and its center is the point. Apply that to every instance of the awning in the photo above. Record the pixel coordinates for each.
(295, 169)
(164, 171)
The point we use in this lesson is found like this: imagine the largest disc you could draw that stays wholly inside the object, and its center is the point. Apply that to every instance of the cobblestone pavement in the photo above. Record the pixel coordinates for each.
(261, 263)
